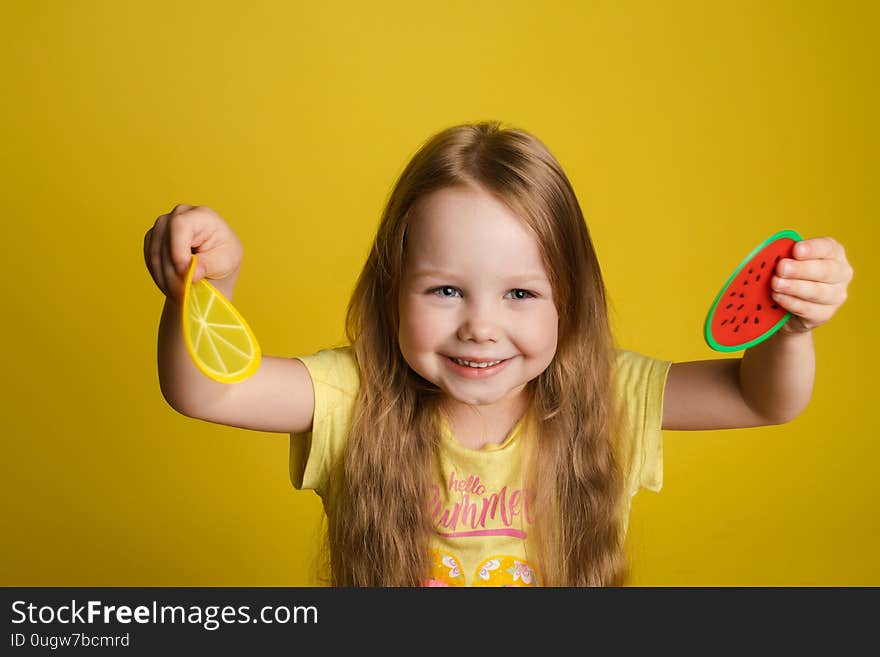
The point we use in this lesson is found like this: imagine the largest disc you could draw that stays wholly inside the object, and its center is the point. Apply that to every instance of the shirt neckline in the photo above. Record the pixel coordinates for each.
(448, 437)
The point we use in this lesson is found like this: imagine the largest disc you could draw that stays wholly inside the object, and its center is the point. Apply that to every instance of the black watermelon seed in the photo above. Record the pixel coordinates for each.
(736, 329)
(756, 320)
(724, 322)
(758, 279)
(740, 306)
(745, 282)
(750, 270)
(729, 306)
(733, 294)
(762, 265)
(746, 320)
(774, 306)
(759, 306)
(742, 296)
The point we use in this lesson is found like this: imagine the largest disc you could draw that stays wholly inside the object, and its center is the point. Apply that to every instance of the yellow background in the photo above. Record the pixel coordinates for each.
(691, 131)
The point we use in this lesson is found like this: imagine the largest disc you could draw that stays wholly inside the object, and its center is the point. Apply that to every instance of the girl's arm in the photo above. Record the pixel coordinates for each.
(183, 385)
(776, 376)
(279, 396)
(771, 384)
(773, 381)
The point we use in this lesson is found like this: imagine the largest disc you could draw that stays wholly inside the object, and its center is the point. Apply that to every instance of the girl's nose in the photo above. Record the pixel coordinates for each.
(479, 325)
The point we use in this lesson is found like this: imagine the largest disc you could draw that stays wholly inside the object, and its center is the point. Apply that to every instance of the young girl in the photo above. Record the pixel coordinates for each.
(481, 428)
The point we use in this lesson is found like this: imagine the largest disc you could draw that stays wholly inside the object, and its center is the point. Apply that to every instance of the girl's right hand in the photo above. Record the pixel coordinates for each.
(170, 244)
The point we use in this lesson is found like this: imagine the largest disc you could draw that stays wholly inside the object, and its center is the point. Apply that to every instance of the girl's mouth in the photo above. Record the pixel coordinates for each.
(475, 372)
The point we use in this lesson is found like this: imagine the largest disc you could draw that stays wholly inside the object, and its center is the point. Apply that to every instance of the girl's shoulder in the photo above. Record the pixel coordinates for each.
(633, 363)
(335, 367)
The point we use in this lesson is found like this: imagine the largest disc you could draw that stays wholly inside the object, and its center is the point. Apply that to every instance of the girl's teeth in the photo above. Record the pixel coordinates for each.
(468, 363)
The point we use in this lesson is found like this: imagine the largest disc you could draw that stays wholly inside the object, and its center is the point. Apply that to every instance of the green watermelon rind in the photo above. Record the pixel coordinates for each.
(707, 331)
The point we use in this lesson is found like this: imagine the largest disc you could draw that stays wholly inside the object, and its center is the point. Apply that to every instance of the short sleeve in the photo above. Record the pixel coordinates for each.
(335, 382)
(640, 385)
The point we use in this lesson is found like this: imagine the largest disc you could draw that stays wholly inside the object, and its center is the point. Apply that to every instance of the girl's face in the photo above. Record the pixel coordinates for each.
(475, 288)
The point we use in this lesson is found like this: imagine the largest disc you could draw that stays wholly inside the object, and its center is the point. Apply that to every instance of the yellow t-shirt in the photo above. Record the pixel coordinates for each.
(478, 504)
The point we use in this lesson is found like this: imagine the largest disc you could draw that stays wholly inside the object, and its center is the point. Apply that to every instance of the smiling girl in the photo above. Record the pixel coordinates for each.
(481, 428)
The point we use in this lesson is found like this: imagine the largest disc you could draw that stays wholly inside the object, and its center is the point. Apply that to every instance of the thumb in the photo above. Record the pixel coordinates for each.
(199, 269)
(183, 265)
(202, 266)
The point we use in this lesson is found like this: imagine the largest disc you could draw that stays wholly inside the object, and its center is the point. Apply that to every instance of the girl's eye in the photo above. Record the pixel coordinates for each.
(520, 295)
(444, 287)
(523, 298)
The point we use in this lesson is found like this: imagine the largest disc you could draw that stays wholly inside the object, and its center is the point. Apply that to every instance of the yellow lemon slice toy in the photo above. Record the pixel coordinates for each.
(218, 339)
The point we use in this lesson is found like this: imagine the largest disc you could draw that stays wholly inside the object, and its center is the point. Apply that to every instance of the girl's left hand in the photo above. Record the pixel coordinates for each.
(812, 285)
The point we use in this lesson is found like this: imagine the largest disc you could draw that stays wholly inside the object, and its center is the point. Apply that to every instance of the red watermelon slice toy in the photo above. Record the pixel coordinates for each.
(744, 314)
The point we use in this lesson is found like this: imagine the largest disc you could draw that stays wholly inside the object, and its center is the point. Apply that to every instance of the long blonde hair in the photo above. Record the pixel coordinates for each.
(379, 525)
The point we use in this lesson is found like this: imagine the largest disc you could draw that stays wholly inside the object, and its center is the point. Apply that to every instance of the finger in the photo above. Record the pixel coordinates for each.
(818, 247)
(173, 278)
(818, 293)
(814, 314)
(819, 270)
(156, 242)
(186, 235)
(147, 250)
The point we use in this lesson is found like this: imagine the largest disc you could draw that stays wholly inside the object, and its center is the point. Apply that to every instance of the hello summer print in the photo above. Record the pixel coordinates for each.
(477, 513)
